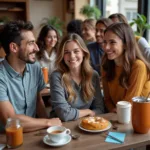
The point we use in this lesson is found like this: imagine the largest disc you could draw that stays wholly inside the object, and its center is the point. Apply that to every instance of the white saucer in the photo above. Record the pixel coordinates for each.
(65, 141)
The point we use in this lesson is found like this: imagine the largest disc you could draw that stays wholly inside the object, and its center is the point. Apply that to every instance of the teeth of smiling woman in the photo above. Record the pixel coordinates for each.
(109, 52)
(72, 61)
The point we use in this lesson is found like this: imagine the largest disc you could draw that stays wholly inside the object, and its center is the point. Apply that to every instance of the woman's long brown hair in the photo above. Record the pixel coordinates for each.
(130, 54)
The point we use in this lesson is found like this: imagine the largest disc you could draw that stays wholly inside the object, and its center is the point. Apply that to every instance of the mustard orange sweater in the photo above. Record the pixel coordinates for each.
(139, 85)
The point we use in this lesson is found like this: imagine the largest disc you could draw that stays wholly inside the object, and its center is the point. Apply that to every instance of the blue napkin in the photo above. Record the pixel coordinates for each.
(118, 135)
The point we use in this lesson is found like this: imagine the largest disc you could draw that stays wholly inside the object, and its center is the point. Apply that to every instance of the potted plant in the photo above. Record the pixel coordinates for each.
(90, 12)
(55, 22)
(142, 25)
(3, 20)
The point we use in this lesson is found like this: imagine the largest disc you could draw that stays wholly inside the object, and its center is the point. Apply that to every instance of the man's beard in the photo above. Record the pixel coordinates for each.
(26, 59)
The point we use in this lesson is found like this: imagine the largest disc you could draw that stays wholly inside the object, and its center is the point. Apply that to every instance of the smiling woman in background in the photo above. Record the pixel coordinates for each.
(75, 89)
(47, 42)
(125, 73)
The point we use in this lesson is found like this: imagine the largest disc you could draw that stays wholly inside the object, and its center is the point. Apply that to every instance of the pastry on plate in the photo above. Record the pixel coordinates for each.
(94, 123)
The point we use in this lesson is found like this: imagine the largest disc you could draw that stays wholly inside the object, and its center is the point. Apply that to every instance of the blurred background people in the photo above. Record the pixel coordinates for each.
(96, 48)
(88, 30)
(75, 89)
(118, 17)
(74, 26)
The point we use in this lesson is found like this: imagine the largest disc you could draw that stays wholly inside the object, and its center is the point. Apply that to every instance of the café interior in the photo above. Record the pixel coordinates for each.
(80, 138)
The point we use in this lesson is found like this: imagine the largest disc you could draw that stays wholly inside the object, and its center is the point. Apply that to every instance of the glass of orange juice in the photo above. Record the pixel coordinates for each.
(14, 133)
(45, 74)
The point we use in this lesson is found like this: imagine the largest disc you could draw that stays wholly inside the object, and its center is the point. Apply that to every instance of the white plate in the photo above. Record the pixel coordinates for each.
(95, 131)
(65, 141)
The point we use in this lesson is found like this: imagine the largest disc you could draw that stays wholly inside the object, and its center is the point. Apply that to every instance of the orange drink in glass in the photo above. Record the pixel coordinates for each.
(45, 74)
(14, 133)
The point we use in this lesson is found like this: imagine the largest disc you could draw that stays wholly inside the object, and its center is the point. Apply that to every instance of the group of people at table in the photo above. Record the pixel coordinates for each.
(107, 51)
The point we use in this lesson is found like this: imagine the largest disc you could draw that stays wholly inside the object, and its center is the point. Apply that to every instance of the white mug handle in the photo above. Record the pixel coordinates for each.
(68, 131)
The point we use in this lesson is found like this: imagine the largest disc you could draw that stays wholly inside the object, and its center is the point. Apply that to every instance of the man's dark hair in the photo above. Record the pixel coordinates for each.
(11, 32)
(74, 26)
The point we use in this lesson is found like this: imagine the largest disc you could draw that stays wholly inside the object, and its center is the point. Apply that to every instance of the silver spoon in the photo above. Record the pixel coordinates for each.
(75, 136)
(147, 97)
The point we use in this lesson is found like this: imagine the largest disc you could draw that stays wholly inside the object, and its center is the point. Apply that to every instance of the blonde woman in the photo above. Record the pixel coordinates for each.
(88, 30)
(75, 89)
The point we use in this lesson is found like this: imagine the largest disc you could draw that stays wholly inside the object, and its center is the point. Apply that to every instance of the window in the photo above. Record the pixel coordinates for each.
(131, 14)
(127, 8)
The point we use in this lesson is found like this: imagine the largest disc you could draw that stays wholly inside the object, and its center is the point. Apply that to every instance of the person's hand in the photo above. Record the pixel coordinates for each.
(91, 113)
(54, 122)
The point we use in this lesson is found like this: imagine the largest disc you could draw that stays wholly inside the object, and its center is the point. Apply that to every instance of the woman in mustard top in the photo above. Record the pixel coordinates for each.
(125, 73)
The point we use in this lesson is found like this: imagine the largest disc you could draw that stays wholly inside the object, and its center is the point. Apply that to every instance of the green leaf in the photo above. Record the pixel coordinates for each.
(137, 33)
(147, 26)
(55, 22)
(143, 18)
(131, 23)
(90, 11)
(141, 22)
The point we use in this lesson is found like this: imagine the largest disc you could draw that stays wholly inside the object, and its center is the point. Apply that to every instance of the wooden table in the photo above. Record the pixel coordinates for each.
(87, 141)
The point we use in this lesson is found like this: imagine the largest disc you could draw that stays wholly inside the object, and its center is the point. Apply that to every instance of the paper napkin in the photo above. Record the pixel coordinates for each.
(118, 135)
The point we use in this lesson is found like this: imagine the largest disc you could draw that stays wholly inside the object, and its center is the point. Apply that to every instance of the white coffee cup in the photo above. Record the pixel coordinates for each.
(124, 112)
(57, 133)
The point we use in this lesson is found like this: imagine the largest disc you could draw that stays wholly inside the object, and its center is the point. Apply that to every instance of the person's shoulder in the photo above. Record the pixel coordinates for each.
(93, 44)
(95, 74)
(2, 66)
(2, 70)
(35, 65)
(56, 74)
(138, 64)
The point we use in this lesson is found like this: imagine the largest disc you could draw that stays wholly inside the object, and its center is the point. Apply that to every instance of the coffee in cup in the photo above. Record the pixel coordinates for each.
(123, 112)
(57, 133)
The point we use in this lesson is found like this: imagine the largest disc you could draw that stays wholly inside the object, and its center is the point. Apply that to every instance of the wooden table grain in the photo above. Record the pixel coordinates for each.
(87, 141)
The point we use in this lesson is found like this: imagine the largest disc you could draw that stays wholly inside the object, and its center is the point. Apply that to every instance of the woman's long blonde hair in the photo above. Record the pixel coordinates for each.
(86, 69)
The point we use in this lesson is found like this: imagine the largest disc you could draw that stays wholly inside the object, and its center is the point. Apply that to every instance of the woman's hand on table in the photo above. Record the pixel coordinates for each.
(91, 113)
(54, 121)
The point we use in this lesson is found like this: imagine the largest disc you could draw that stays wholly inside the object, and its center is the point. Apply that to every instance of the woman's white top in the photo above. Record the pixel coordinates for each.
(48, 62)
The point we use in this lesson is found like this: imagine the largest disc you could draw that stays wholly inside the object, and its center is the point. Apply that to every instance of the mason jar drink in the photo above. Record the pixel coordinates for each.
(14, 133)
